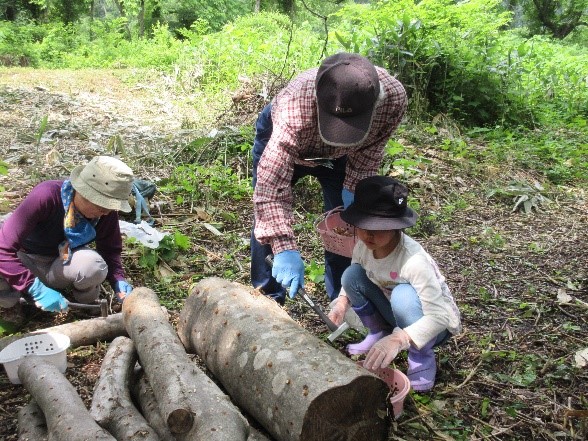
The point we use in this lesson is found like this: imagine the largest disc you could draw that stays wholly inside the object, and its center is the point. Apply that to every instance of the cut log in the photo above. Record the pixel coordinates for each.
(67, 417)
(295, 385)
(82, 332)
(192, 405)
(142, 394)
(256, 435)
(31, 423)
(112, 406)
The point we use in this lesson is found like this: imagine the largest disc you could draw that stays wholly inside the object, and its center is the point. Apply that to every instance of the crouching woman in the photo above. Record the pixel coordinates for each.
(44, 243)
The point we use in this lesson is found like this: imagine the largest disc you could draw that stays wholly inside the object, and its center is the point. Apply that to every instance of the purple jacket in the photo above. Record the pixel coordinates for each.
(36, 227)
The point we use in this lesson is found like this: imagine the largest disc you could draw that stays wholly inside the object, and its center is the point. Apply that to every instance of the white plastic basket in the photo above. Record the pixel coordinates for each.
(52, 346)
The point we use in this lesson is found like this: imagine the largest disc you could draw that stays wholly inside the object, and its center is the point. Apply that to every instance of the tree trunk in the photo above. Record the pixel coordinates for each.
(67, 417)
(112, 406)
(143, 395)
(31, 423)
(295, 385)
(141, 18)
(185, 395)
(82, 332)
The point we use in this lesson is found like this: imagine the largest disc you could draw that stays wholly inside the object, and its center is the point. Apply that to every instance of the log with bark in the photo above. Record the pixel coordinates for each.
(82, 332)
(256, 435)
(112, 406)
(192, 405)
(143, 395)
(31, 423)
(295, 385)
(66, 416)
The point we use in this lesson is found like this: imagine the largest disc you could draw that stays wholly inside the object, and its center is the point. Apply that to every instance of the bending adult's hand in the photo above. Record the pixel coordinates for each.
(47, 298)
(348, 197)
(288, 270)
(386, 349)
(121, 290)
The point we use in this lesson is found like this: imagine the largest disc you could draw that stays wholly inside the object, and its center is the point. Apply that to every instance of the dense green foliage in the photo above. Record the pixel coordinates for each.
(476, 62)
(455, 59)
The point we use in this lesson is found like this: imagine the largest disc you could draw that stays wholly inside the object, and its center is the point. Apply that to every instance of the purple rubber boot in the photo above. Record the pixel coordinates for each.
(377, 327)
(422, 367)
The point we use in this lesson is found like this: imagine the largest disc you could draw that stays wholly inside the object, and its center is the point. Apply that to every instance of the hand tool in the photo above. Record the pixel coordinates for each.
(336, 331)
(101, 306)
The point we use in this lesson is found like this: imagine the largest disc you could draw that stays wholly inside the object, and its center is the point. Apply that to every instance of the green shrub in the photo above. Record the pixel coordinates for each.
(111, 47)
(206, 185)
(182, 13)
(17, 42)
(252, 45)
(456, 59)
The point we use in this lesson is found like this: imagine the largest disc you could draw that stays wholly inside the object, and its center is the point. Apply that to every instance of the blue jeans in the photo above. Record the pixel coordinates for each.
(331, 182)
(403, 309)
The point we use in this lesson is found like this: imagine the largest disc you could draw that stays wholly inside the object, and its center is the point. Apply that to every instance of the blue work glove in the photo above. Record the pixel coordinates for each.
(347, 197)
(288, 270)
(47, 298)
(122, 286)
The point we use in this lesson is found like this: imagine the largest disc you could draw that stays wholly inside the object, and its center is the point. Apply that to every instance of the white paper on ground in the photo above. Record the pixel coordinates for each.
(581, 358)
(143, 232)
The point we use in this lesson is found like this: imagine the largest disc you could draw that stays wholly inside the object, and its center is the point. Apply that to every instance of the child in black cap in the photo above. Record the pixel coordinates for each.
(394, 285)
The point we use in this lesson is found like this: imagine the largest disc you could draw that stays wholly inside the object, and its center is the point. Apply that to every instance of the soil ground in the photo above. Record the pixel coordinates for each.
(511, 374)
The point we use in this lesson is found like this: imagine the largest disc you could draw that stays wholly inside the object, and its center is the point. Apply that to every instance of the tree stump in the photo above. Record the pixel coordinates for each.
(295, 385)
(185, 395)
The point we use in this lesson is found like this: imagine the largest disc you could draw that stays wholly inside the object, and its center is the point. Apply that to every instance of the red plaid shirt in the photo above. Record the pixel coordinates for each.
(295, 136)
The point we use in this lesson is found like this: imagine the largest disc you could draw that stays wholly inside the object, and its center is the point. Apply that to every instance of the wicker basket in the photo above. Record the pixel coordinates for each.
(337, 235)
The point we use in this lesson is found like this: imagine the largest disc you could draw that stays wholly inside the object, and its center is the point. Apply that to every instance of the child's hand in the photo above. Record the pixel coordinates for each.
(337, 314)
(386, 349)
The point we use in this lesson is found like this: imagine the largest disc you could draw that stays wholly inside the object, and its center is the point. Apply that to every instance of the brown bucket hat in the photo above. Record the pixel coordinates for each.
(380, 203)
(347, 90)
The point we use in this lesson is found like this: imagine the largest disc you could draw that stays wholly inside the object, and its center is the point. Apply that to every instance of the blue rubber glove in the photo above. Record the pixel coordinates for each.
(288, 270)
(47, 298)
(348, 197)
(122, 286)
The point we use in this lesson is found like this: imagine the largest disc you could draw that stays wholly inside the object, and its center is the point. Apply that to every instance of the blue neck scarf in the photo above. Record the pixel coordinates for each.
(78, 230)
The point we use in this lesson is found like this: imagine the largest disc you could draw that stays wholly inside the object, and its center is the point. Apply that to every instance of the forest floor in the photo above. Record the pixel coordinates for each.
(520, 280)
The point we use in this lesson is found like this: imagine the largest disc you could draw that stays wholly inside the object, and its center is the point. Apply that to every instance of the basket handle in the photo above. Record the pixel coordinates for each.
(328, 213)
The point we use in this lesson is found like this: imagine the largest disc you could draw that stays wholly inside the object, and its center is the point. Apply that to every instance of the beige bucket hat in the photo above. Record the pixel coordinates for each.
(104, 181)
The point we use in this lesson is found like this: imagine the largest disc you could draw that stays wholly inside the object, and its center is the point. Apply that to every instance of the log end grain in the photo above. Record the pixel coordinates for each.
(356, 411)
(180, 421)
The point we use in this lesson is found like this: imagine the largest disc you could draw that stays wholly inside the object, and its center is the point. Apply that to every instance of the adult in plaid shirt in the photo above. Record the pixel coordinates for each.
(331, 122)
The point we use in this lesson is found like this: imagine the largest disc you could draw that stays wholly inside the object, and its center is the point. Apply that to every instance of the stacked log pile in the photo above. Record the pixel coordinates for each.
(293, 384)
